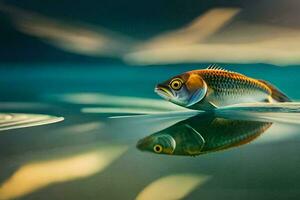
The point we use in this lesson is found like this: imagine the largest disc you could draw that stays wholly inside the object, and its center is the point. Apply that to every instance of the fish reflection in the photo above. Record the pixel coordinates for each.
(202, 134)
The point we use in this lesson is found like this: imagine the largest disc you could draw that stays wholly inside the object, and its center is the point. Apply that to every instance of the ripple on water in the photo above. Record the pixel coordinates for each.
(22, 120)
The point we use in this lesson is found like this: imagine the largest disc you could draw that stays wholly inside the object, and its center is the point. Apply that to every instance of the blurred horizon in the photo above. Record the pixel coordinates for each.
(150, 33)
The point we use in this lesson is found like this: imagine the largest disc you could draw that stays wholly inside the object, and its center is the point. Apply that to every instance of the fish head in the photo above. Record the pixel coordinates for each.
(179, 139)
(184, 90)
(157, 143)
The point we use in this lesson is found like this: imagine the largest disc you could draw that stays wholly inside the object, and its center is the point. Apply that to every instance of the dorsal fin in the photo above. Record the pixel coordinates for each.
(216, 67)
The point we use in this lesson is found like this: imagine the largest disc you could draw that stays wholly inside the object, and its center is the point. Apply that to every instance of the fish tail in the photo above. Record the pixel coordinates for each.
(276, 93)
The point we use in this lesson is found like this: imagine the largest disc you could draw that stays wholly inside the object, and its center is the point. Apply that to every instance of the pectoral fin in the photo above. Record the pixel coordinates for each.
(198, 95)
(196, 142)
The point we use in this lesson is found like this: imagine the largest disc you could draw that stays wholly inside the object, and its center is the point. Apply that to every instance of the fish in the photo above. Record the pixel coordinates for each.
(202, 134)
(214, 87)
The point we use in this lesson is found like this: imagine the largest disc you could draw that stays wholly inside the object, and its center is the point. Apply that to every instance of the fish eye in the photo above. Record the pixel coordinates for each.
(176, 84)
(157, 148)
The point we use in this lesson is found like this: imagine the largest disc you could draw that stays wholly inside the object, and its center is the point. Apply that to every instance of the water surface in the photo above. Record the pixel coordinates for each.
(92, 156)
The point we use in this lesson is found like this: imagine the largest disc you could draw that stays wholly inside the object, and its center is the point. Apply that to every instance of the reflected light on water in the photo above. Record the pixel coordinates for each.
(113, 100)
(80, 128)
(18, 120)
(118, 110)
(175, 186)
(279, 133)
(34, 176)
(287, 112)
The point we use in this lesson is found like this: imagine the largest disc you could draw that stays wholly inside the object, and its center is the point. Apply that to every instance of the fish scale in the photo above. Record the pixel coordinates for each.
(223, 141)
(230, 87)
(211, 88)
(204, 133)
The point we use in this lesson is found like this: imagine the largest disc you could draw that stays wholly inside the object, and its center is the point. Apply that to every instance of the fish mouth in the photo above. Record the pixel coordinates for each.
(142, 144)
(163, 92)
